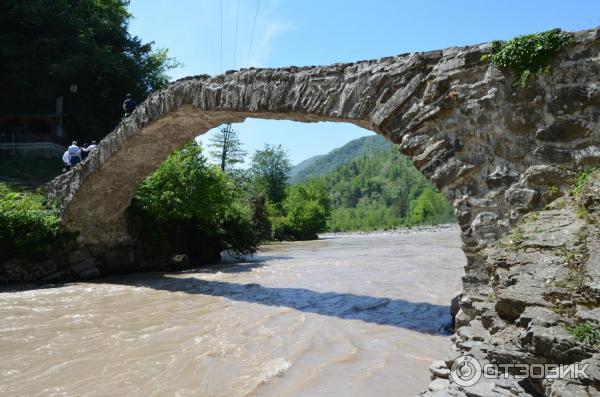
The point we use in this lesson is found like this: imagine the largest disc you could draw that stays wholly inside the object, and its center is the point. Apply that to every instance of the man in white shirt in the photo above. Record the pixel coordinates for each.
(66, 158)
(92, 147)
(74, 154)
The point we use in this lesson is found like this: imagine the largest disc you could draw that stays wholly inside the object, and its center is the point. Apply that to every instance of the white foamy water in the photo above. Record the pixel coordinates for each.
(343, 316)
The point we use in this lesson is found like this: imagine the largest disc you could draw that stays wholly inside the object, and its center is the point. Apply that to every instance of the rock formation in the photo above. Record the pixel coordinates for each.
(544, 282)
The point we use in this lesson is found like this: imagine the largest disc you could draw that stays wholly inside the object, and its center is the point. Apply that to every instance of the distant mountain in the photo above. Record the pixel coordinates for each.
(323, 164)
(373, 186)
(303, 165)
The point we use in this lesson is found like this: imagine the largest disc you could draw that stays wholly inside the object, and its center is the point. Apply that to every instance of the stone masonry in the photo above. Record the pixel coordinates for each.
(496, 151)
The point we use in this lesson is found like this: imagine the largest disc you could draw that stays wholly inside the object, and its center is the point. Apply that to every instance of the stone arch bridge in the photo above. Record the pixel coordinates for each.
(493, 149)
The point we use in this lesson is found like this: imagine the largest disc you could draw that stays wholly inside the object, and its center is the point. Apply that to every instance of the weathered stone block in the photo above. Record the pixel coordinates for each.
(87, 269)
(78, 255)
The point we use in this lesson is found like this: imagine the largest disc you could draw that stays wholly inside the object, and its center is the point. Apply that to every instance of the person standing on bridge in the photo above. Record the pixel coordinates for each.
(74, 154)
(129, 105)
(84, 151)
(93, 146)
(66, 158)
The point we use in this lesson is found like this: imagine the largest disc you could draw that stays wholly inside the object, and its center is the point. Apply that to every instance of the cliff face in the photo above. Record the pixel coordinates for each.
(543, 303)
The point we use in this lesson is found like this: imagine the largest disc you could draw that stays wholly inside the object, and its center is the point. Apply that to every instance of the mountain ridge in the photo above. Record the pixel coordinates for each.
(323, 164)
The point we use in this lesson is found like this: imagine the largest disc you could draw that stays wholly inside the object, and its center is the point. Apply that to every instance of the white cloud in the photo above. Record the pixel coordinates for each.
(263, 39)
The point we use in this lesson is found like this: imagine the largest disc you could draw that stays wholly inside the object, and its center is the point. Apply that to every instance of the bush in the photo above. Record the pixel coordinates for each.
(307, 206)
(279, 228)
(529, 54)
(28, 228)
(186, 204)
(430, 208)
(585, 333)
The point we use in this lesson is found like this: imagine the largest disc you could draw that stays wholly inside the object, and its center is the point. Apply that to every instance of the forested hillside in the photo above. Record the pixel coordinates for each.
(321, 165)
(373, 186)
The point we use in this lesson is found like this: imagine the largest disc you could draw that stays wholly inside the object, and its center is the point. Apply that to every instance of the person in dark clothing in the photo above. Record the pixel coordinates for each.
(129, 104)
(84, 151)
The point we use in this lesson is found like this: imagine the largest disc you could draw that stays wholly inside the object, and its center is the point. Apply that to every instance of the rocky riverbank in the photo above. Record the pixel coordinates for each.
(542, 305)
(398, 231)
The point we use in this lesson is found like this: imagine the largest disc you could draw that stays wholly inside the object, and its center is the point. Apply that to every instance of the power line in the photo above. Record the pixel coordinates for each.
(237, 14)
(221, 26)
(252, 35)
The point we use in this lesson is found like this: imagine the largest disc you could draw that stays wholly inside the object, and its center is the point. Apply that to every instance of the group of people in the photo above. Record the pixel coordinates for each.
(75, 154)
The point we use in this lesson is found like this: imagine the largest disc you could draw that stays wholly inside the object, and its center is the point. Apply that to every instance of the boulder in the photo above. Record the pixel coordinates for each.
(79, 255)
(564, 130)
(119, 260)
(438, 385)
(545, 175)
(455, 305)
(87, 269)
(179, 262)
(555, 343)
(501, 176)
(522, 197)
(439, 369)
(538, 315)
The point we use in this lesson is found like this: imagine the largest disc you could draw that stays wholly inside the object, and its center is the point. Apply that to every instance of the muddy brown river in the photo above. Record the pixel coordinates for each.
(341, 316)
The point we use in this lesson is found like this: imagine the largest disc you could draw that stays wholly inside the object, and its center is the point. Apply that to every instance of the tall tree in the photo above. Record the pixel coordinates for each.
(47, 46)
(226, 148)
(269, 172)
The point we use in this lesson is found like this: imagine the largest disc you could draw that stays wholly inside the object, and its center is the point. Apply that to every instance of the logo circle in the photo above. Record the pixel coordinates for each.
(465, 371)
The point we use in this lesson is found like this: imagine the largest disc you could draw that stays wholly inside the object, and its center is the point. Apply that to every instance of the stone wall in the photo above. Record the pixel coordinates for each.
(544, 280)
(498, 152)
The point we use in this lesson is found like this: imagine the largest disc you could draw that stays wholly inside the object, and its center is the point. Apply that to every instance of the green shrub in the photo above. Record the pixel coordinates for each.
(188, 200)
(279, 228)
(585, 333)
(529, 55)
(307, 206)
(430, 208)
(579, 182)
(28, 228)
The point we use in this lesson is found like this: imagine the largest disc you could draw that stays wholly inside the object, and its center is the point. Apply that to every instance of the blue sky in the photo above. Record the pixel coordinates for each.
(317, 32)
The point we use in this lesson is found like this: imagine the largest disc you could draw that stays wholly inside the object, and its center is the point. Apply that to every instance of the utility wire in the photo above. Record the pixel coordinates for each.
(252, 35)
(221, 26)
(237, 14)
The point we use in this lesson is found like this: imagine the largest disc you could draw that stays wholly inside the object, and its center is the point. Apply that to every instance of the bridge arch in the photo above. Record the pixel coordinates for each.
(491, 148)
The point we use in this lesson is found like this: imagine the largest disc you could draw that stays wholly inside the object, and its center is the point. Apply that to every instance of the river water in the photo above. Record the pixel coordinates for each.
(341, 316)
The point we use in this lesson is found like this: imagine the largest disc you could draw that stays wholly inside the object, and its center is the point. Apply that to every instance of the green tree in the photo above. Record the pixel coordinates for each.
(188, 200)
(48, 46)
(269, 173)
(430, 208)
(227, 148)
(28, 228)
(378, 188)
(307, 206)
